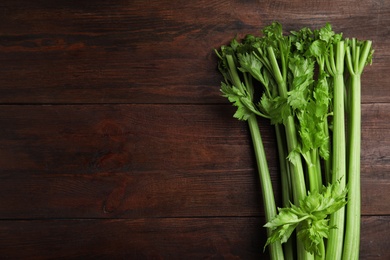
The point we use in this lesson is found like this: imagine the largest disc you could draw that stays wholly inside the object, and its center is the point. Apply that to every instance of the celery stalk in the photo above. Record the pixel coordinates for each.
(285, 176)
(297, 174)
(356, 60)
(276, 250)
(336, 69)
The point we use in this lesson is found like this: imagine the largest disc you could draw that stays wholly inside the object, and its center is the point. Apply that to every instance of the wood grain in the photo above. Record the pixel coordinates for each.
(152, 238)
(115, 142)
(157, 238)
(159, 52)
(151, 160)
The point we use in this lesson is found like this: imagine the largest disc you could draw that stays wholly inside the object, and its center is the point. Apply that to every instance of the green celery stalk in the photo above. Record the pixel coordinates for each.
(328, 162)
(298, 179)
(314, 170)
(276, 250)
(297, 174)
(336, 69)
(285, 176)
(356, 60)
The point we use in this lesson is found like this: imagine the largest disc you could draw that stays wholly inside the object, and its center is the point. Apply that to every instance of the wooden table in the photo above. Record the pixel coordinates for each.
(115, 142)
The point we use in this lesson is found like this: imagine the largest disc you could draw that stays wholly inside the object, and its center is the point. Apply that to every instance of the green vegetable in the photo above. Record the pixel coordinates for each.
(239, 91)
(359, 54)
(298, 82)
(335, 65)
(311, 215)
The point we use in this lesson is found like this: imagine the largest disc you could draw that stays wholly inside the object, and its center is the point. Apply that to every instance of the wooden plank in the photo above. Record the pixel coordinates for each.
(133, 239)
(160, 52)
(375, 158)
(128, 160)
(158, 238)
(117, 138)
(374, 242)
(132, 194)
(151, 160)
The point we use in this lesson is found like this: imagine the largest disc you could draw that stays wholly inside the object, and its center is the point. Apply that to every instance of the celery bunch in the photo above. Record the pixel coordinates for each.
(299, 82)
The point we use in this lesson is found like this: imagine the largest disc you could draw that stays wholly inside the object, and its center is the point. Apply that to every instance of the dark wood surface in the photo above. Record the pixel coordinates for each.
(115, 142)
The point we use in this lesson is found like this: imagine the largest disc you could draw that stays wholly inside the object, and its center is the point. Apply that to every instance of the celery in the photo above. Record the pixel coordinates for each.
(300, 81)
(241, 95)
(359, 54)
(335, 65)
